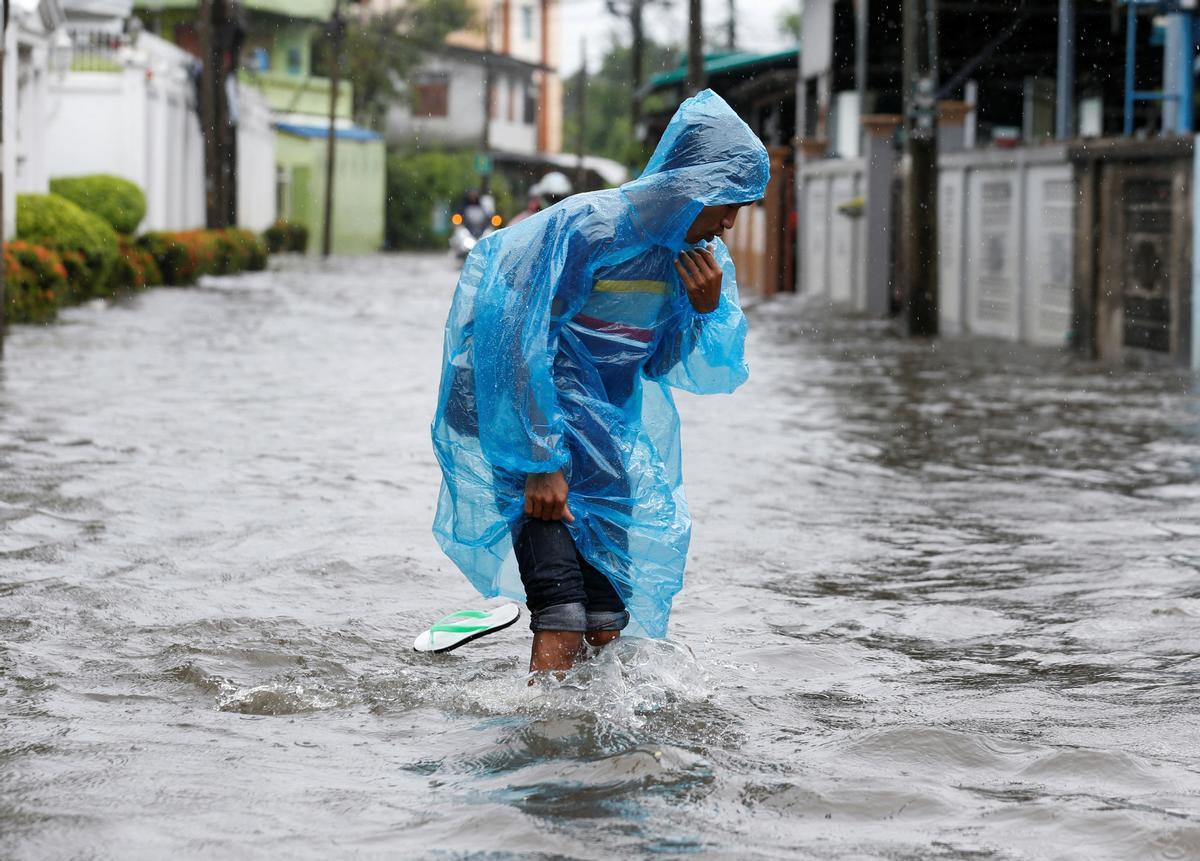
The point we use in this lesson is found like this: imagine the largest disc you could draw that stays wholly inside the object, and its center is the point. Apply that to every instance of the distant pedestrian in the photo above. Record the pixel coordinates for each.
(556, 430)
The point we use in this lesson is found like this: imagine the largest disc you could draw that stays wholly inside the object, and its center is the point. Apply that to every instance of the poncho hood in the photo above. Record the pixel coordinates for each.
(707, 156)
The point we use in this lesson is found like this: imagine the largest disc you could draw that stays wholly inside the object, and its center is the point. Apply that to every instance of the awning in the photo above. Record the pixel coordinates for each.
(341, 132)
(719, 64)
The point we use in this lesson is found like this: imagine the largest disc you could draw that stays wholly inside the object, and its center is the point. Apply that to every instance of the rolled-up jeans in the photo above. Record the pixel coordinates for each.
(564, 592)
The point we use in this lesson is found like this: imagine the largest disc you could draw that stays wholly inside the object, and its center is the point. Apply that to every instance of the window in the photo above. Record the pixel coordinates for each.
(527, 23)
(531, 106)
(295, 61)
(433, 95)
(514, 96)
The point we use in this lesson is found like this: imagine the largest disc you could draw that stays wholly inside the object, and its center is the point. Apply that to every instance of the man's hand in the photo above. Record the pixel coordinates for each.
(546, 496)
(701, 277)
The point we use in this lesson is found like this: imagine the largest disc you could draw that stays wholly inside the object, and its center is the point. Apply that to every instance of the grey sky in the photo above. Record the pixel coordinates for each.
(757, 27)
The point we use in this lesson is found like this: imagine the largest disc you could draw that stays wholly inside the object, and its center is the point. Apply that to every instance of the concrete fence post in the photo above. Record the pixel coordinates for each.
(879, 156)
(807, 149)
(952, 125)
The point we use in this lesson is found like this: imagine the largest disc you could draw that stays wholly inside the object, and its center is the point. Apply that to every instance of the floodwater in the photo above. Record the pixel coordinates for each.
(942, 603)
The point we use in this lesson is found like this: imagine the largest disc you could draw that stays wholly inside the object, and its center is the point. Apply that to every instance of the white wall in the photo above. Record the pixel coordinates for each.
(139, 129)
(513, 135)
(27, 99)
(256, 162)
(10, 126)
(1006, 260)
(834, 252)
(141, 124)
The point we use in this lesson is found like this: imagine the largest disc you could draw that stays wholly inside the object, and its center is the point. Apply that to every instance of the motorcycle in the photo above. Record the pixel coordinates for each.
(471, 225)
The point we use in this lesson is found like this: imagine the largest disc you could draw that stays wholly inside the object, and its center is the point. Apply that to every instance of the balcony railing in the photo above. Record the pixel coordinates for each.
(294, 94)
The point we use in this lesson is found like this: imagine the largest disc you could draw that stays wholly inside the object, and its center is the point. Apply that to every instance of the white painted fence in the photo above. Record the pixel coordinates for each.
(27, 76)
(833, 250)
(256, 200)
(140, 123)
(1005, 243)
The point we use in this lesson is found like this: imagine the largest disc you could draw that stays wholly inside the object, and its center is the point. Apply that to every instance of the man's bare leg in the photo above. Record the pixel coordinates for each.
(599, 639)
(556, 651)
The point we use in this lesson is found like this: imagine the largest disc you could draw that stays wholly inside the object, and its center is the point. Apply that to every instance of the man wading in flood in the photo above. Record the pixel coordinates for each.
(556, 431)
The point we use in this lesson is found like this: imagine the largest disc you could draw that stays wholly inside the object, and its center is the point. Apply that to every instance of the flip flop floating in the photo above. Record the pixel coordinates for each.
(463, 626)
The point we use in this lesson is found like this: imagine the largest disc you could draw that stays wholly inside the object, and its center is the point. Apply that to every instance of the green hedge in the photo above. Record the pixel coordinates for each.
(65, 253)
(118, 201)
(285, 236)
(136, 268)
(185, 255)
(57, 223)
(417, 183)
(249, 249)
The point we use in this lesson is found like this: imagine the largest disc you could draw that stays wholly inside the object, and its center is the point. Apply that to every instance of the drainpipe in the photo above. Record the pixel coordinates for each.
(1064, 114)
(1185, 22)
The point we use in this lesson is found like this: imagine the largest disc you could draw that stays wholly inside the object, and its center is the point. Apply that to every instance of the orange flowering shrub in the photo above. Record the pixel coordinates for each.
(136, 267)
(35, 282)
(185, 255)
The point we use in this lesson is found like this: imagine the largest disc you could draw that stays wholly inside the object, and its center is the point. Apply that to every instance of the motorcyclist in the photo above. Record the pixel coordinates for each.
(474, 216)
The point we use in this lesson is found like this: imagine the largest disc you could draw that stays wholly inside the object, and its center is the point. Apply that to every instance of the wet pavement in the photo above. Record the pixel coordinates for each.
(942, 602)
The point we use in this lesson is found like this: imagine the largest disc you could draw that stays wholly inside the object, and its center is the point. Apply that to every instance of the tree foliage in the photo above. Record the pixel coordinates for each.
(382, 51)
(792, 24)
(418, 183)
(609, 129)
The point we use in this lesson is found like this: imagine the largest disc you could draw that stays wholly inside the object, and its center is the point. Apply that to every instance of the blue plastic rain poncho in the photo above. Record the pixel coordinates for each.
(564, 338)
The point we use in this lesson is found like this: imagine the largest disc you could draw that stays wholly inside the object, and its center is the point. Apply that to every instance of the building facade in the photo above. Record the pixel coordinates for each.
(494, 86)
(275, 63)
(1064, 189)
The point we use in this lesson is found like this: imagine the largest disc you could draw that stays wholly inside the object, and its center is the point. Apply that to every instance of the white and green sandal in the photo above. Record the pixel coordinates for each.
(460, 628)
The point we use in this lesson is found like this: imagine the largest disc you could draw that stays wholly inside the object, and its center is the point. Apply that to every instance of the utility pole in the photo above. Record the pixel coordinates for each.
(216, 31)
(337, 28)
(3, 60)
(485, 142)
(920, 228)
(637, 58)
(637, 49)
(862, 31)
(731, 34)
(695, 77)
(209, 76)
(581, 136)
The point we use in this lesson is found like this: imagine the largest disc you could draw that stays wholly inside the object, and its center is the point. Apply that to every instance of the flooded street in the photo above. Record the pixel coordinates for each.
(942, 602)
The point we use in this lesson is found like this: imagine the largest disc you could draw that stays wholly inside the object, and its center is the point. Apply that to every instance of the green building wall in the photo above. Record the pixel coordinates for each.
(359, 190)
